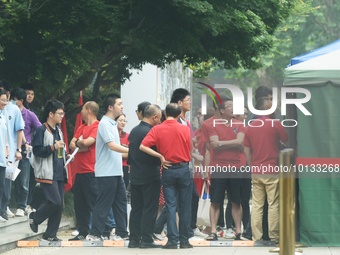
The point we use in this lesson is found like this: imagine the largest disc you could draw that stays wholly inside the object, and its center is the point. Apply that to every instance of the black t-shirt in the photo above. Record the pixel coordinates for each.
(143, 167)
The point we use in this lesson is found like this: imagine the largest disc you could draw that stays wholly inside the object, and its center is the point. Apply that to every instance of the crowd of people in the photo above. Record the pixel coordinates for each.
(155, 166)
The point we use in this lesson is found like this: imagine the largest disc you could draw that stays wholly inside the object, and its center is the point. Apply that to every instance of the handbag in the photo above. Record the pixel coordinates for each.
(203, 218)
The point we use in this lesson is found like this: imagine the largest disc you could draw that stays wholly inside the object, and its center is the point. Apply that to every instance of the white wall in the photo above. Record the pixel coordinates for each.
(141, 87)
(154, 85)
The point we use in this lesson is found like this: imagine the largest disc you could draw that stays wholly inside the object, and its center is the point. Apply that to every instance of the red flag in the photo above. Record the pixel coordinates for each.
(78, 122)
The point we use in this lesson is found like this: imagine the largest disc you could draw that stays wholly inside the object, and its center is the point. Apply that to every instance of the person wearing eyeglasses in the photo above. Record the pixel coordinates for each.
(48, 163)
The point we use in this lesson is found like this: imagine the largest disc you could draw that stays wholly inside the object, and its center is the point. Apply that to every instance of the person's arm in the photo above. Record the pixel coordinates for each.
(117, 147)
(39, 150)
(156, 154)
(225, 145)
(75, 144)
(20, 135)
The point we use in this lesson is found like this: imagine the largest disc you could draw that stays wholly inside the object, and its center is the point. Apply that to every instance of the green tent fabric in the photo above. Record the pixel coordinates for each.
(318, 136)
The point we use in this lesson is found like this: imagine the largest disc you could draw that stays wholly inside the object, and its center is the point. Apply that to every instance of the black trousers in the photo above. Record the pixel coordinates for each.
(85, 194)
(111, 194)
(52, 208)
(194, 207)
(144, 208)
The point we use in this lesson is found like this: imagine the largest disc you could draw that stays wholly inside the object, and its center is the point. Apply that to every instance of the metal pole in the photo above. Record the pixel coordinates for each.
(287, 203)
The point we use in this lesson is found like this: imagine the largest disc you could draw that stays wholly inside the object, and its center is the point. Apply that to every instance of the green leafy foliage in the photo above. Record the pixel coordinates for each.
(62, 45)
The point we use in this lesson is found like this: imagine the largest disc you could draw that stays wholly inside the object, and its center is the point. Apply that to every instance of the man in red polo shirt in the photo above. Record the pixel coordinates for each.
(226, 140)
(85, 185)
(173, 144)
(261, 146)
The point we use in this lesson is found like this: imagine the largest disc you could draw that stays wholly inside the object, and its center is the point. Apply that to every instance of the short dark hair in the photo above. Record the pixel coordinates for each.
(261, 102)
(151, 110)
(18, 93)
(141, 107)
(110, 99)
(262, 91)
(28, 86)
(2, 92)
(52, 106)
(6, 85)
(179, 95)
(173, 110)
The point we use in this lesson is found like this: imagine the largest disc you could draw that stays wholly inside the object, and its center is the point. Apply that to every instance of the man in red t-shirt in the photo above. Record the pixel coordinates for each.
(226, 138)
(85, 185)
(261, 146)
(173, 143)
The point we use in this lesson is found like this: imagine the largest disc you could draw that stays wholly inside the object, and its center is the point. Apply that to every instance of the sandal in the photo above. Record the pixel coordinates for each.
(212, 237)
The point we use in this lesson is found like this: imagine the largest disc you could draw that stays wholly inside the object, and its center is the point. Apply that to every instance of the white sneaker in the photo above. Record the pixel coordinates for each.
(196, 238)
(20, 213)
(75, 232)
(29, 209)
(158, 237)
(198, 233)
(229, 234)
(93, 238)
(9, 213)
(2, 220)
(119, 238)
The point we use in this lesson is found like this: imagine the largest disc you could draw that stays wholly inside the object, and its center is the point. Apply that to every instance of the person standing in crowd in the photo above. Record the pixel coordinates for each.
(31, 202)
(21, 183)
(4, 152)
(173, 143)
(15, 134)
(109, 174)
(226, 139)
(140, 109)
(85, 186)
(124, 141)
(29, 90)
(49, 161)
(245, 193)
(145, 183)
(182, 98)
(198, 119)
(261, 146)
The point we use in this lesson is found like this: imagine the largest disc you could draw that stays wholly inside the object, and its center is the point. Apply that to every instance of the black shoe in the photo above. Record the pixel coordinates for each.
(169, 246)
(77, 238)
(185, 246)
(143, 245)
(4, 215)
(32, 224)
(51, 239)
(238, 236)
(133, 244)
(246, 237)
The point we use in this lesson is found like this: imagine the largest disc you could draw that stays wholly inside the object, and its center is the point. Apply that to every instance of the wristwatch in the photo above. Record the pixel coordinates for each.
(19, 150)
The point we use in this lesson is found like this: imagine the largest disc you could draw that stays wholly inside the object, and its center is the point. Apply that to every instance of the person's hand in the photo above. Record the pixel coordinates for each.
(59, 144)
(18, 155)
(165, 164)
(206, 178)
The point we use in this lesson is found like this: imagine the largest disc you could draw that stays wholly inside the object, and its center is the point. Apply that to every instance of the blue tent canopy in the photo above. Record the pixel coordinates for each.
(315, 53)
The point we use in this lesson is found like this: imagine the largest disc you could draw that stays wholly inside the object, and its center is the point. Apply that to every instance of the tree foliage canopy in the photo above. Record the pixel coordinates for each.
(65, 44)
